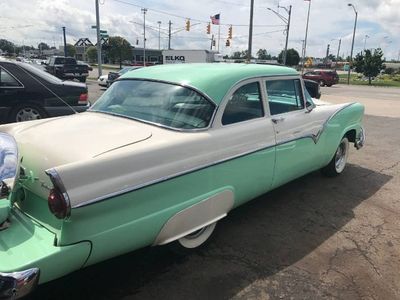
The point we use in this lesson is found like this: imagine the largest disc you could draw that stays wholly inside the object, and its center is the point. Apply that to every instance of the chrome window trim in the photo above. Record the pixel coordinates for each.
(165, 126)
(16, 79)
(229, 95)
(304, 109)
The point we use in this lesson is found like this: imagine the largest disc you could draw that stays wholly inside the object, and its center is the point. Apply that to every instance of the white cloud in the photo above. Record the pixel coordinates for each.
(329, 19)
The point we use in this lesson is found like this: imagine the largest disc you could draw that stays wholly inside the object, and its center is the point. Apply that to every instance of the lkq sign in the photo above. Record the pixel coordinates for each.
(174, 59)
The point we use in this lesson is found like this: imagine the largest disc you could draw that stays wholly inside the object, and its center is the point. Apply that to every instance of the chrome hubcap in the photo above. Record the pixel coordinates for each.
(341, 157)
(27, 114)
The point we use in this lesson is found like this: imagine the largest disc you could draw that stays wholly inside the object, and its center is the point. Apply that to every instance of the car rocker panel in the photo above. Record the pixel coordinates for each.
(135, 183)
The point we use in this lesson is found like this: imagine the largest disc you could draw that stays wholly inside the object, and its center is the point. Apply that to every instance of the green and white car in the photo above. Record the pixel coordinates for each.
(163, 155)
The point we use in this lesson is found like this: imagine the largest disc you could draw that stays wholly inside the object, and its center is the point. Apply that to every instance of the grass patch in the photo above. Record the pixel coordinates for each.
(381, 80)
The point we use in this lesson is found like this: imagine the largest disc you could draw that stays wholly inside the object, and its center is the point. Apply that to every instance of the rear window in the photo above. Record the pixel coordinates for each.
(65, 61)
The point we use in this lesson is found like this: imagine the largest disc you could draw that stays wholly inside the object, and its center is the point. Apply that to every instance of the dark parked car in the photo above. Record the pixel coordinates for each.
(28, 93)
(67, 68)
(323, 77)
(112, 76)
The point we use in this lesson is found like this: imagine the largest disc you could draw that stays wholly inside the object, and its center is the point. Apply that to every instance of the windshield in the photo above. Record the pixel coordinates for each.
(165, 104)
(40, 73)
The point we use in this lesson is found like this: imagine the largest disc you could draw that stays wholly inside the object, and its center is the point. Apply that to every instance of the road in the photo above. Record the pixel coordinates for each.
(314, 238)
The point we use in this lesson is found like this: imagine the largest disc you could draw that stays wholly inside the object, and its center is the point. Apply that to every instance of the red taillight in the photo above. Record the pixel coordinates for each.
(83, 98)
(58, 205)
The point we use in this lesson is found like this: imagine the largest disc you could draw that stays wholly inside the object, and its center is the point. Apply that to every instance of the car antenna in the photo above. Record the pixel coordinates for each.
(58, 97)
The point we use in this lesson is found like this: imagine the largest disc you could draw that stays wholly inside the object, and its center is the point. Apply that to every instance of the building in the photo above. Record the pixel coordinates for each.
(153, 56)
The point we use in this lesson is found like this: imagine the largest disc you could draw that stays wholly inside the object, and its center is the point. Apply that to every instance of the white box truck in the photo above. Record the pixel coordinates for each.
(190, 56)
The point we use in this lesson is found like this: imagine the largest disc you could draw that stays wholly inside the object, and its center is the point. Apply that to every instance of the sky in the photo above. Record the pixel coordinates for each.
(30, 22)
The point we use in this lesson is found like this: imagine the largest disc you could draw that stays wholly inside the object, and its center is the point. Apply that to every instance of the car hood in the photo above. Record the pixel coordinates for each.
(318, 102)
(58, 141)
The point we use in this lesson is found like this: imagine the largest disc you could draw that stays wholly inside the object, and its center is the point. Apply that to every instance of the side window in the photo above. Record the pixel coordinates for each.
(284, 95)
(6, 80)
(245, 104)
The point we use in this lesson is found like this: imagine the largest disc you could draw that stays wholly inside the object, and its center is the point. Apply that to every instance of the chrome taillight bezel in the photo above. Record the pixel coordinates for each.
(58, 186)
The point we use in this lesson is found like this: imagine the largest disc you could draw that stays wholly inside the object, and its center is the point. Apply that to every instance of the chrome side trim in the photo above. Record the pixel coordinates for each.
(18, 284)
(58, 184)
(165, 178)
(196, 217)
(315, 139)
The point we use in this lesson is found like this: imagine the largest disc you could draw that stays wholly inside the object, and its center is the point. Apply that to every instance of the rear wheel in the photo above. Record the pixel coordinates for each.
(338, 163)
(196, 239)
(26, 112)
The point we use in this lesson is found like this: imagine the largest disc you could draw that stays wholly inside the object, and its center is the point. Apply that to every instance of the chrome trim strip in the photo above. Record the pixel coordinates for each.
(18, 284)
(57, 183)
(315, 138)
(165, 178)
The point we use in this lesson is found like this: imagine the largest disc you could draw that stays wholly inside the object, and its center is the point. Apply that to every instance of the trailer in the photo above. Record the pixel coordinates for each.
(190, 56)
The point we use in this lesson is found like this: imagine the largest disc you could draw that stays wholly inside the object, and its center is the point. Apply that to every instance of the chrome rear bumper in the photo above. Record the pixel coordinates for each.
(360, 139)
(18, 284)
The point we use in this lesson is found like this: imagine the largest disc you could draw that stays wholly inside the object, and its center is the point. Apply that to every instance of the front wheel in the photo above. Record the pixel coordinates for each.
(338, 163)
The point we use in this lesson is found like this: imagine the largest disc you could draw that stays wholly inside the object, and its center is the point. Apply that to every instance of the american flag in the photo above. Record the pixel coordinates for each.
(215, 19)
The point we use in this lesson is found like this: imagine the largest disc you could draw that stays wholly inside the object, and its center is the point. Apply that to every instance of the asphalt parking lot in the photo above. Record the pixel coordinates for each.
(314, 238)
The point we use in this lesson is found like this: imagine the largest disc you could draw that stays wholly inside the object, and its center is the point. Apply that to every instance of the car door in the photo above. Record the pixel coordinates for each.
(243, 131)
(295, 129)
(10, 89)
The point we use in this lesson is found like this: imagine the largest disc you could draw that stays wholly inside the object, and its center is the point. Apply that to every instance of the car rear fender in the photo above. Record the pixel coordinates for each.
(207, 211)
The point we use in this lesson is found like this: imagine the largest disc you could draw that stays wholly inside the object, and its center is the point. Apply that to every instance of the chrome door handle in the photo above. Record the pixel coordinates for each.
(277, 120)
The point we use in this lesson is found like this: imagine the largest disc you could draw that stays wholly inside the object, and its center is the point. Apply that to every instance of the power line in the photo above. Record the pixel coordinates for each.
(193, 19)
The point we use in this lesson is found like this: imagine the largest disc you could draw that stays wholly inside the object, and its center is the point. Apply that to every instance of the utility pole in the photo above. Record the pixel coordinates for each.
(159, 35)
(98, 39)
(287, 22)
(305, 39)
(212, 42)
(327, 52)
(144, 10)
(250, 31)
(65, 42)
(169, 34)
(338, 50)
(352, 43)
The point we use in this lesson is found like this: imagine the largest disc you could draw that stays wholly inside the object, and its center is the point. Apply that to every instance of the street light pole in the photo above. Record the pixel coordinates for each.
(305, 39)
(352, 43)
(287, 22)
(144, 10)
(338, 49)
(98, 38)
(159, 35)
(365, 40)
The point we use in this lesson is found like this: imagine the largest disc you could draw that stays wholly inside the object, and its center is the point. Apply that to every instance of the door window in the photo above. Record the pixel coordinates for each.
(6, 80)
(284, 95)
(245, 104)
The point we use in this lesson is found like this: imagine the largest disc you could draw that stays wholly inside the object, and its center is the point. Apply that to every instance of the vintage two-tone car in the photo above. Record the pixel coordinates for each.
(163, 155)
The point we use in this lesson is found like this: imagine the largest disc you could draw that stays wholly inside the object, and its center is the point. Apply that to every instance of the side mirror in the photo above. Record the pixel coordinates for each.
(309, 107)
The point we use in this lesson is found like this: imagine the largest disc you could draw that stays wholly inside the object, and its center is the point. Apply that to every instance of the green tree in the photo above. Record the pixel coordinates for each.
(91, 54)
(119, 49)
(43, 46)
(71, 51)
(263, 54)
(368, 63)
(6, 46)
(292, 57)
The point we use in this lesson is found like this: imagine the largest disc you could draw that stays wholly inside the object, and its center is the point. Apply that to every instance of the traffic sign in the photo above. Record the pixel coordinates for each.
(94, 26)
(103, 31)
